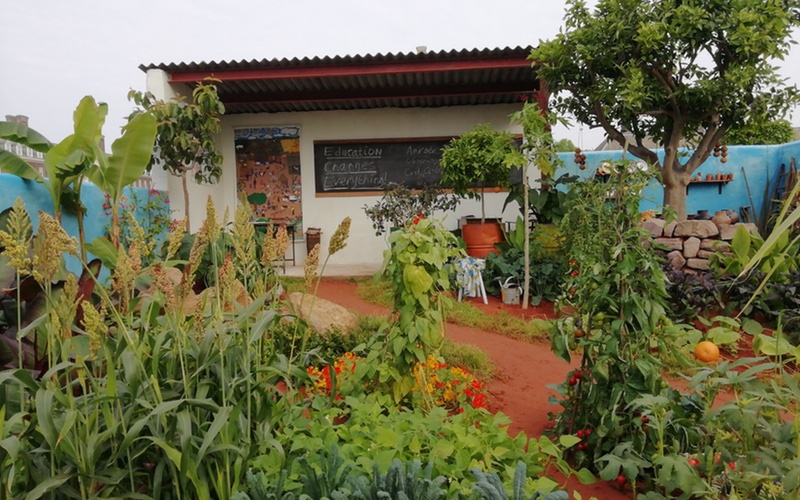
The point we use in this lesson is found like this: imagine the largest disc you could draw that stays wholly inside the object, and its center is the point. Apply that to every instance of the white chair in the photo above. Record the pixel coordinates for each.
(470, 279)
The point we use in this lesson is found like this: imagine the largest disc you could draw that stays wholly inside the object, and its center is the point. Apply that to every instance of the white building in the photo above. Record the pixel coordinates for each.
(282, 114)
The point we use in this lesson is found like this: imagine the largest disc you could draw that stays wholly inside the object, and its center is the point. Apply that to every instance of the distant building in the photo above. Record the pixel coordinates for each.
(36, 159)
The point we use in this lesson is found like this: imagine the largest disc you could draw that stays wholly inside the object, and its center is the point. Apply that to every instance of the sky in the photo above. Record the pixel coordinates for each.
(54, 52)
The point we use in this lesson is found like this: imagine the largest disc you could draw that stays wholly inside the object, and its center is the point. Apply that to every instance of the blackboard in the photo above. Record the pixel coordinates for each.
(369, 165)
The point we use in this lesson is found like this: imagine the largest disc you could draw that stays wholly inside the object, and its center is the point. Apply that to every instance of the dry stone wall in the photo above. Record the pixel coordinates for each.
(690, 243)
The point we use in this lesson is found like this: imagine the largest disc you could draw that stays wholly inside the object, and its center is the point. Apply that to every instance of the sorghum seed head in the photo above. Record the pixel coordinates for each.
(339, 238)
(177, 230)
(51, 242)
(310, 266)
(17, 241)
(281, 241)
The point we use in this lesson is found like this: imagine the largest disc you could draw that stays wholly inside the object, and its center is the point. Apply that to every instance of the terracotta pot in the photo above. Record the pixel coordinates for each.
(480, 238)
(710, 177)
(721, 218)
(732, 214)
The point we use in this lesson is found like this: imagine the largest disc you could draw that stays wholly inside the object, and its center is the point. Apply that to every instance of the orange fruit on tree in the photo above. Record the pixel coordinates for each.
(706, 351)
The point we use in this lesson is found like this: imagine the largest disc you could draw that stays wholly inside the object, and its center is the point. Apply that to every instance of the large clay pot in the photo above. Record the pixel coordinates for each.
(721, 218)
(481, 237)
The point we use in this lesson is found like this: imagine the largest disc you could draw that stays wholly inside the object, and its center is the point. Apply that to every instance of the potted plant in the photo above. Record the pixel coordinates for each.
(401, 205)
(471, 164)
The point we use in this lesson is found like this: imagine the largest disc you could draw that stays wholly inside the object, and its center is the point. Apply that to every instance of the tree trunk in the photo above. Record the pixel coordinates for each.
(483, 209)
(526, 281)
(185, 185)
(675, 183)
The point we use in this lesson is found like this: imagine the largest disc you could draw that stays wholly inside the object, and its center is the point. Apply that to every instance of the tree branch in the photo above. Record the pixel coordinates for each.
(613, 133)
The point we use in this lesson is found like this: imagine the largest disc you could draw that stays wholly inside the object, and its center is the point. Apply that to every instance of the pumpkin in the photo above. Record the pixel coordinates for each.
(706, 351)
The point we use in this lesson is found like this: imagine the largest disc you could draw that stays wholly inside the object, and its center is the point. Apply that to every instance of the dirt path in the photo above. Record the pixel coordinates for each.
(525, 370)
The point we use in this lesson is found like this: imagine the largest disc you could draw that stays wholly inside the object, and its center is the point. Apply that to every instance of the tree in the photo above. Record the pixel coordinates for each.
(538, 149)
(564, 146)
(766, 131)
(186, 131)
(477, 160)
(670, 70)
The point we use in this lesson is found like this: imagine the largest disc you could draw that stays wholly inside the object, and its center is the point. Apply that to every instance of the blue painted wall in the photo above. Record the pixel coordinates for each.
(759, 164)
(37, 197)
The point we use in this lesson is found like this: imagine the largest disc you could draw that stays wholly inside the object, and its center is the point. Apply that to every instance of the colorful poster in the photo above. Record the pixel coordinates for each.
(268, 173)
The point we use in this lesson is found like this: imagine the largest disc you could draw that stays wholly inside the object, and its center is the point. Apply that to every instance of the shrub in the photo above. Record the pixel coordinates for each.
(691, 294)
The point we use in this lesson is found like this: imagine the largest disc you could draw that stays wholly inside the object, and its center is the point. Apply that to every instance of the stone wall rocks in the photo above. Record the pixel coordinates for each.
(690, 243)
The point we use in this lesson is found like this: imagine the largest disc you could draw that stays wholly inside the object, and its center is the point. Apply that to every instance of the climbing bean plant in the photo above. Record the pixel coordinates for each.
(417, 266)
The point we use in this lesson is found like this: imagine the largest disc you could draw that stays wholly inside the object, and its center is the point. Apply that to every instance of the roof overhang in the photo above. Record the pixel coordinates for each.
(427, 79)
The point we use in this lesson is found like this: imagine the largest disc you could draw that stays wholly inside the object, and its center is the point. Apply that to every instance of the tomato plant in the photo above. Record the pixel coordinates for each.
(617, 286)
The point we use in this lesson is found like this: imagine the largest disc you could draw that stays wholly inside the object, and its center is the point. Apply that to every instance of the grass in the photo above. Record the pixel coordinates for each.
(461, 313)
(379, 292)
(375, 291)
(469, 357)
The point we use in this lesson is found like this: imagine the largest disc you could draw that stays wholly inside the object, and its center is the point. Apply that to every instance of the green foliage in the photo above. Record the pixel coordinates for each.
(376, 433)
(468, 357)
(618, 289)
(400, 206)
(761, 274)
(547, 203)
(142, 396)
(631, 427)
(744, 446)
(564, 146)
(79, 156)
(667, 71)
(691, 294)
(725, 332)
(149, 213)
(755, 132)
(477, 159)
(463, 313)
(489, 487)
(547, 272)
(412, 484)
(186, 132)
(376, 291)
(326, 348)
(416, 263)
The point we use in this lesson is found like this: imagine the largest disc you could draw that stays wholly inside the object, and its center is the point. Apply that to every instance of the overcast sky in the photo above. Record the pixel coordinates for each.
(54, 52)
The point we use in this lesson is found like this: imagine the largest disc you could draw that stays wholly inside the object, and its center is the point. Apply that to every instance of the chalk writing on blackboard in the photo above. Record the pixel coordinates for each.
(349, 166)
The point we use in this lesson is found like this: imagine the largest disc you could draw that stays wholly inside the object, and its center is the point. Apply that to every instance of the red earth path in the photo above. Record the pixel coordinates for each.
(524, 371)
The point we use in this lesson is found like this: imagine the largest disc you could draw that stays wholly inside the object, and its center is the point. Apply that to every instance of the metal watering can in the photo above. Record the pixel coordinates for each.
(510, 291)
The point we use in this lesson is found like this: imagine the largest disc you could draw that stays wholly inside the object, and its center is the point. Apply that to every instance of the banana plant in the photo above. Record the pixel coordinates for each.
(64, 162)
(130, 155)
(80, 155)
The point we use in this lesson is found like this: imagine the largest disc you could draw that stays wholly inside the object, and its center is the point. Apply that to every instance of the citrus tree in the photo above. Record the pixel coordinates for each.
(186, 132)
(685, 70)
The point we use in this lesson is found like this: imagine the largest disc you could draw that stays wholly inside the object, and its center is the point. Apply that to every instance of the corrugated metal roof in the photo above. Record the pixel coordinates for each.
(430, 79)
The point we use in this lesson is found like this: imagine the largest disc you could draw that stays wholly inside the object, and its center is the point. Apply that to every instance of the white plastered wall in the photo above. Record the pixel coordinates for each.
(324, 212)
